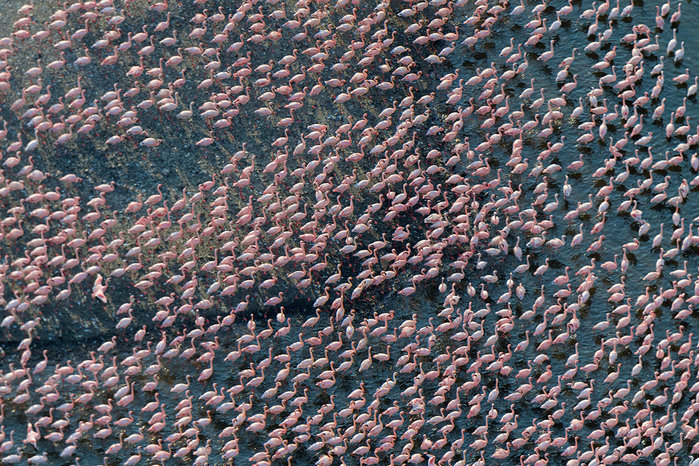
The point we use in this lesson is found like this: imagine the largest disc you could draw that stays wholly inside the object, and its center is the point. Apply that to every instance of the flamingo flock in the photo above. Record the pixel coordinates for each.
(348, 232)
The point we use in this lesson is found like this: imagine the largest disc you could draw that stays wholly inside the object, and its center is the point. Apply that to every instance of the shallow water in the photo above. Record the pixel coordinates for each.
(73, 329)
